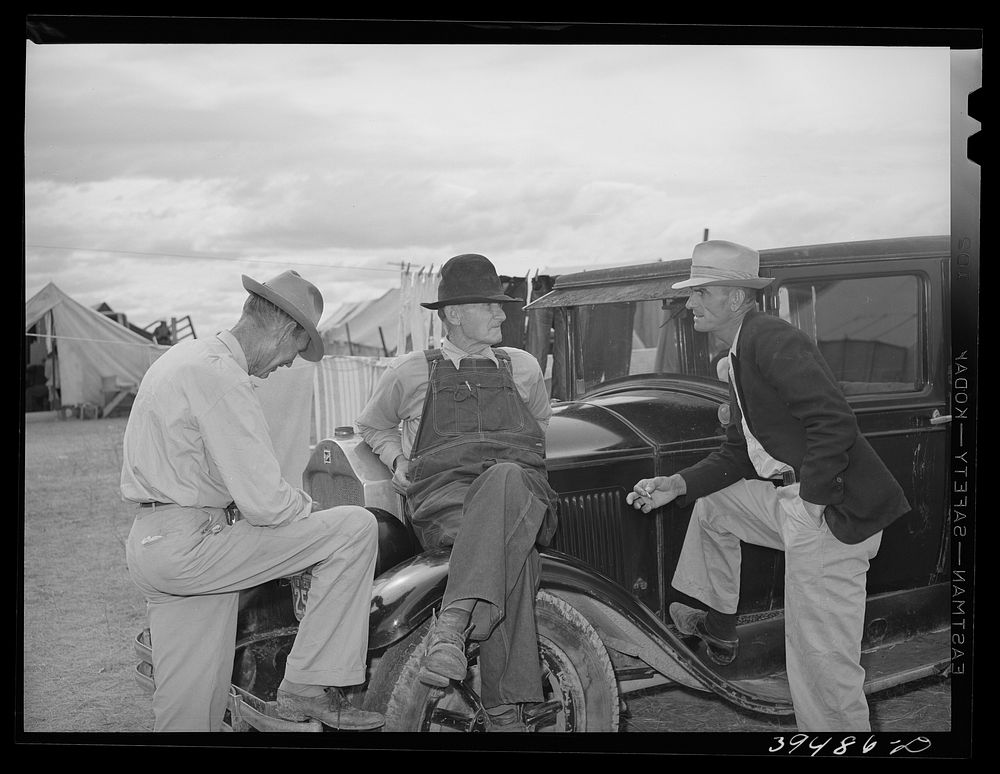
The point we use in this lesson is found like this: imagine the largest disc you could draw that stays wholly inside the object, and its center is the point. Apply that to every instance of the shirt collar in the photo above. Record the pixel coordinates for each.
(455, 354)
(227, 338)
(736, 337)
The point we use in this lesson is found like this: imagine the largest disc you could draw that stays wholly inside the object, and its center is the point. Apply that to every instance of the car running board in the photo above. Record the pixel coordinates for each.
(885, 666)
(248, 711)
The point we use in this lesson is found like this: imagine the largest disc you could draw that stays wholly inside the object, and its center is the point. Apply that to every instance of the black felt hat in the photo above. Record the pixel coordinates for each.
(469, 279)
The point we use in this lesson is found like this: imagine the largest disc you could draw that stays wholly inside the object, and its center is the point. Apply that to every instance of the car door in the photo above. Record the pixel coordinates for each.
(882, 326)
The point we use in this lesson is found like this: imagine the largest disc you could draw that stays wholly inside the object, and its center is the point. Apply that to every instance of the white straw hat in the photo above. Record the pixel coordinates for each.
(717, 262)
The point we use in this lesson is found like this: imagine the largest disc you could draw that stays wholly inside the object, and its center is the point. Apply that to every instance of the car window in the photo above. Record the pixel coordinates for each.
(643, 337)
(868, 329)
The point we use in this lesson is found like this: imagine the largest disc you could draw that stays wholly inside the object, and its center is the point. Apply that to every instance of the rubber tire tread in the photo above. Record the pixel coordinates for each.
(395, 691)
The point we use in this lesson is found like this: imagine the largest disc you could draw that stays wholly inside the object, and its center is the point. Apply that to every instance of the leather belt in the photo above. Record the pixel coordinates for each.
(787, 478)
(232, 512)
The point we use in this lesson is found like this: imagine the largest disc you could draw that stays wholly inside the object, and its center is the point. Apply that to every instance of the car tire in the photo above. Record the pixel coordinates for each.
(577, 675)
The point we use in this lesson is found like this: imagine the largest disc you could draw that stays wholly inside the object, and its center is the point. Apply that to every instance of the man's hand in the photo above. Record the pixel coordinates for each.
(650, 493)
(400, 477)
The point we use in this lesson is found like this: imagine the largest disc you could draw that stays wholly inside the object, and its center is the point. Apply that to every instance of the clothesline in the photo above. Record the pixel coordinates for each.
(94, 341)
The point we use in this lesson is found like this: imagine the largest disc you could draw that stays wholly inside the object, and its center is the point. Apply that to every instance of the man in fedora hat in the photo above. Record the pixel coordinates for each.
(214, 516)
(793, 473)
(463, 428)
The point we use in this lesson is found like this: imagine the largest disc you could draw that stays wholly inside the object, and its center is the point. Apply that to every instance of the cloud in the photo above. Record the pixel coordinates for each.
(156, 174)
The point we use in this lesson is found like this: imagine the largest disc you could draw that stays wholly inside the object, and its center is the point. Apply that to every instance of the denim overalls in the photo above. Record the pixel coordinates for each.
(478, 482)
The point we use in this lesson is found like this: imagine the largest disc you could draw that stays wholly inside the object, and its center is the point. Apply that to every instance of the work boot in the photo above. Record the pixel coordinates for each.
(691, 622)
(523, 716)
(332, 709)
(445, 659)
(509, 720)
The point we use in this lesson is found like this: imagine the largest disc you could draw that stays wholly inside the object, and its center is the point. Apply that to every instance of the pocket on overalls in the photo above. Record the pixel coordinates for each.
(499, 408)
(455, 409)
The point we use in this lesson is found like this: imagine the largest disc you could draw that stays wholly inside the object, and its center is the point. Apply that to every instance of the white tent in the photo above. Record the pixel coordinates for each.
(369, 328)
(85, 347)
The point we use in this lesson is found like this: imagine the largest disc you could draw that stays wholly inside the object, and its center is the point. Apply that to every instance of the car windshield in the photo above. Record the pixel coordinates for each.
(868, 330)
(640, 337)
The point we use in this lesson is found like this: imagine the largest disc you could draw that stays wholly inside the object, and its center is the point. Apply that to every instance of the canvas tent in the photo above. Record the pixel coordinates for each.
(369, 328)
(80, 348)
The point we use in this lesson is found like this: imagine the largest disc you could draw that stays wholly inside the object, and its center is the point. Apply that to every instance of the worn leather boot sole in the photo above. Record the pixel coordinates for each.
(445, 659)
(333, 711)
(513, 727)
(691, 622)
(443, 663)
(510, 721)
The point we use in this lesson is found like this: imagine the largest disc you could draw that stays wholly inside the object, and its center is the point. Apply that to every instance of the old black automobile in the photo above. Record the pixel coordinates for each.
(638, 395)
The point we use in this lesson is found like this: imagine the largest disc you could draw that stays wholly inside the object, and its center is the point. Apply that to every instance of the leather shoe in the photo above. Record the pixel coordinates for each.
(691, 622)
(524, 716)
(445, 659)
(510, 721)
(332, 709)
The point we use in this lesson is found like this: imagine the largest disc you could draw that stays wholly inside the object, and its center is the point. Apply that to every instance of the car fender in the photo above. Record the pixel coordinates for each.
(404, 596)
(631, 628)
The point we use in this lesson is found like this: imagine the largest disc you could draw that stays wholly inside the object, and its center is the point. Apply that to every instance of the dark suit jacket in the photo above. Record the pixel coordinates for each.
(799, 414)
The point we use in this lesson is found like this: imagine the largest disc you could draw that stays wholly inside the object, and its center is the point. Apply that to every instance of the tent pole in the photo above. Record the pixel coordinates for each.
(381, 335)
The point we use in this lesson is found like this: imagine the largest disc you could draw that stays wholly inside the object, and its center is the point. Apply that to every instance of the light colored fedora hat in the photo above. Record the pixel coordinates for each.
(300, 299)
(717, 262)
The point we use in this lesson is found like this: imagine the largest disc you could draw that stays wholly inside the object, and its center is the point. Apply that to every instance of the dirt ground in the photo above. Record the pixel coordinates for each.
(923, 706)
(81, 611)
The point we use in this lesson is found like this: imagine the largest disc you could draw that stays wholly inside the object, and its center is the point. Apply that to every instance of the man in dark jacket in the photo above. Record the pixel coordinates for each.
(793, 473)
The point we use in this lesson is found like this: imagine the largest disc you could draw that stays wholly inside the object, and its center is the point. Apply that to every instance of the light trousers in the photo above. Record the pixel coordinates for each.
(191, 578)
(825, 591)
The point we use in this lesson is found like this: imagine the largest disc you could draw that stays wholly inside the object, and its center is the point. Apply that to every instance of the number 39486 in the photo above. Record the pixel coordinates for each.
(814, 745)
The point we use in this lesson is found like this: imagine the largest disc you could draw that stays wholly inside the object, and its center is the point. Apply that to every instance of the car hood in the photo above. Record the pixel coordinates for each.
(634, 422)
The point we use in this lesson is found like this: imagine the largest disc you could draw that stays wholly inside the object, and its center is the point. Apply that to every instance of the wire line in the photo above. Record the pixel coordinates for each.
(209, 258)
(95, 341)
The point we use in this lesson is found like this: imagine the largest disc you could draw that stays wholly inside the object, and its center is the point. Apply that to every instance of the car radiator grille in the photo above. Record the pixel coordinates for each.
(590, 529)
(331, 490)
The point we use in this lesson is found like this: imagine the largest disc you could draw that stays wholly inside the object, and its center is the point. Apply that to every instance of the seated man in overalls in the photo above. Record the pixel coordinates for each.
(463, 428)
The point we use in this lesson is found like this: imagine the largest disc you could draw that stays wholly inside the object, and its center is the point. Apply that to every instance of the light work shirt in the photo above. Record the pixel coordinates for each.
(765, 465)
(197, 437)
(390, 420)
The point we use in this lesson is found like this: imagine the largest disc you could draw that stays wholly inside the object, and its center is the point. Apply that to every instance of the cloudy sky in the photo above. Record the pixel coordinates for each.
(155, 175)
